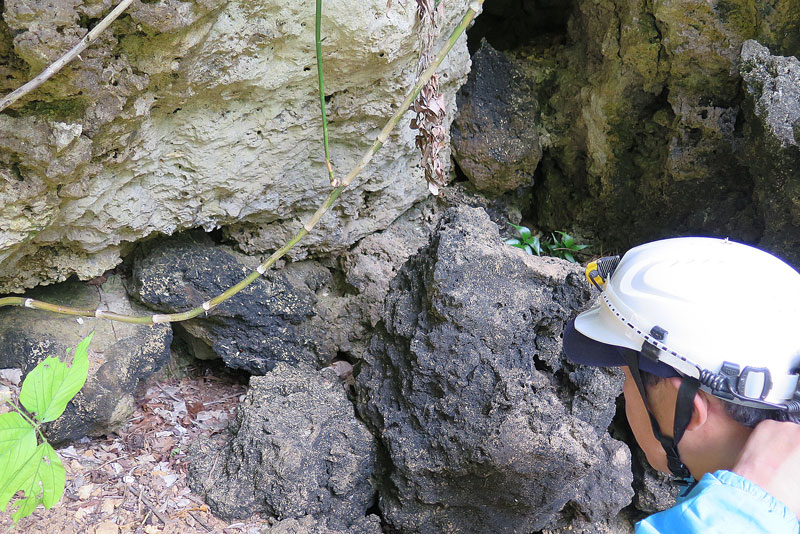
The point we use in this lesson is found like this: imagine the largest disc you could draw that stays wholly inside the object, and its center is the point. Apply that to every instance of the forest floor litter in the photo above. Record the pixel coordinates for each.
(133, 481)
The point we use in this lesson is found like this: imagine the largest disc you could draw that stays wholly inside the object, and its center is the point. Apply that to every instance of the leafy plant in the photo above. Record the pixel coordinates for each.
(27, 461)
(558, 244)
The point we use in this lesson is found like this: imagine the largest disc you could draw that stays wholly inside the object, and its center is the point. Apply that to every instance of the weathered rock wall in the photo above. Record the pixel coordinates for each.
(200, 114)
(644, 120)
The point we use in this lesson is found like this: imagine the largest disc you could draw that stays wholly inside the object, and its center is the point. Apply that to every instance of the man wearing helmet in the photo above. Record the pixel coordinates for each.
(708, 334)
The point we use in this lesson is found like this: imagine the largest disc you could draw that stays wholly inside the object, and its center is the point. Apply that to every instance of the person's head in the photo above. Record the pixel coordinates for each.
(707, 333)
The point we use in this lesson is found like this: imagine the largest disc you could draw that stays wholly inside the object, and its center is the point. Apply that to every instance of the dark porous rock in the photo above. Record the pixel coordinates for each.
(654, 491)
(494, 135)
(296, 450)
(121, 355)
(621, 524)
(253, 330)
(773, 149)
(469, 393)
(308, 525)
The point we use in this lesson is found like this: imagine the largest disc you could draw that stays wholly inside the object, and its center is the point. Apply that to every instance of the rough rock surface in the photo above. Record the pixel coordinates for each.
(308, 525)
(120, 355)
(468, 392)
(296, 450)
(619, 525)
(654, 491)
(772, 84)
(370, 266)
(642, 118)
(495, 141)
(253, 330)
(201, 114)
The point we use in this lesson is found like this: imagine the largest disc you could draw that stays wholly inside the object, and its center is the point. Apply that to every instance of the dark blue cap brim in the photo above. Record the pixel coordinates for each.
(586, 351)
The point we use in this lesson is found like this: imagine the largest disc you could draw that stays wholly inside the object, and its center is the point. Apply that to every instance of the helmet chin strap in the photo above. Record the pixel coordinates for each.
(683, 414)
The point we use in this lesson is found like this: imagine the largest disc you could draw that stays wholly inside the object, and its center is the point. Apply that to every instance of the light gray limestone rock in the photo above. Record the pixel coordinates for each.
(204, 114)
(772, 144)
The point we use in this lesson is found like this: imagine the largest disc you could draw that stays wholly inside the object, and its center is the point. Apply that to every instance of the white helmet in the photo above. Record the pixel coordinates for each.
(721, 312)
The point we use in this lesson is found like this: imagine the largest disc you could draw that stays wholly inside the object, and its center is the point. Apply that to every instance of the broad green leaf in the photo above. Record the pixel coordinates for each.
(51, 475)
(524, 231)
(580, 247)
(44, 483)
(51, 385)
(17, 465)
(569, 257)
(512, 241)
(528, 249)
(26, 507)
(14, 428)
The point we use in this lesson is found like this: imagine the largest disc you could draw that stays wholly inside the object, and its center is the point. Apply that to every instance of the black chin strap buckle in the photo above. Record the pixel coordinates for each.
(649, 350)
(676, 467)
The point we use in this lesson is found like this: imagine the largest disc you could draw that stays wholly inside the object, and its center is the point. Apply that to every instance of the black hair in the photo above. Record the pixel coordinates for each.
(745, 415)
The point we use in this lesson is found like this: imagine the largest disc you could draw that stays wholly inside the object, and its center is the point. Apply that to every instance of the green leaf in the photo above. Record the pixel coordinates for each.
(567, 240)
(51, 385)
(52, 476)
(512, 241)
(537, 245)
(26, 507)
(42, 479)
(14, 428)
(528, 249)
(524, 231)
(568, 256)
(16, 465)
(579, 247)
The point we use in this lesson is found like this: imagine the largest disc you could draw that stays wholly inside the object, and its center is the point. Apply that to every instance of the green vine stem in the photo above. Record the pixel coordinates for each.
(58, 64)
(321, 78)
(474, 8)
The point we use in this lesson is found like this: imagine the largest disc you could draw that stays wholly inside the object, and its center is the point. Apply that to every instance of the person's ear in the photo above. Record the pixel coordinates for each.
(700, 406)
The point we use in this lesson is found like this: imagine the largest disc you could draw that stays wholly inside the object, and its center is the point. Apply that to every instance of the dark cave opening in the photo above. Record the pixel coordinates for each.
(509, 24)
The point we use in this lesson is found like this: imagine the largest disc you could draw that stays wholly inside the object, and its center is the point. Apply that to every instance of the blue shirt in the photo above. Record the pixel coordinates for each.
(726, 503)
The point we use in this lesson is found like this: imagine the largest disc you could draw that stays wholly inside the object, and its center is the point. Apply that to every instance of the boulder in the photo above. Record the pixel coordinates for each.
(466, 387)
(121, 355)
(308, 525)
(295, 450)
(495, 141)
(772, 147)
(253, 330)
(202, 114)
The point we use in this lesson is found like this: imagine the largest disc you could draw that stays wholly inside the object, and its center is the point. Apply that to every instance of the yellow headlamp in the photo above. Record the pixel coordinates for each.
(599, 271)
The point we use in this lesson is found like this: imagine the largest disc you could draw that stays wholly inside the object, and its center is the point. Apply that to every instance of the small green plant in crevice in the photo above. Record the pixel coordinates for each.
(28, 462)
(558, 244)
